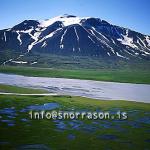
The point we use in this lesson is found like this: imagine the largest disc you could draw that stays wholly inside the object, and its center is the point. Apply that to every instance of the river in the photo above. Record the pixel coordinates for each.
(86, 88)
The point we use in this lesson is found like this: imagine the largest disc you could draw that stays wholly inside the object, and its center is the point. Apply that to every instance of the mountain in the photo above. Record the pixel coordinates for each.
(73, 36)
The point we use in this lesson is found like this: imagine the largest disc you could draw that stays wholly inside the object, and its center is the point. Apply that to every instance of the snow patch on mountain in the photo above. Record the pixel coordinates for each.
(108, 53)
(33, 63)
(66, 20)
(100, 33)
(140, 41)
(61, 40)
(5, 36)
(91, 39)
(93, 35)
(120, 55)
(49, 35)
(127, 41)
(35, 37)
(148, 40)
(44, 44)
(76, 34)
(19, 62)
(18, 37)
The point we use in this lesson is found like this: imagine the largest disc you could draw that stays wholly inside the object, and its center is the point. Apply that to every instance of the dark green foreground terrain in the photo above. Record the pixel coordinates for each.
(17, 130)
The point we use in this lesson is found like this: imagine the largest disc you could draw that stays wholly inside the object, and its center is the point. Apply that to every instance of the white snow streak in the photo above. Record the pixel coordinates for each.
(8, 29)
(100, 34)
(76, 34)
(113, 41)
(5, 36)
(120, 55)
(61, 46)
(44, 44)
(141, 42)
(49, 35)
(102, 40)
(130, 53)
(63, 36)
(112, 50)
(33, 63)
(61, 40)
(148, 40)
(20, 62)
(108, 53)
(146, 53)
(143, 46)
(34, 37)
(91, 39)
(18, 37)
(7, 61)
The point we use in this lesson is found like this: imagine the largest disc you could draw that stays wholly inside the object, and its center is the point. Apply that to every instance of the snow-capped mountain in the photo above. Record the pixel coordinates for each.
(71, 35)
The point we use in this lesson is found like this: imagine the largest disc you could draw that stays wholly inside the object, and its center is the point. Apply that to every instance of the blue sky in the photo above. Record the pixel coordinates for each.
(133, 14)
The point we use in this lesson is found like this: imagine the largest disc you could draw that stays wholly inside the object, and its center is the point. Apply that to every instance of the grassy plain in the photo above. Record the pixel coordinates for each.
(15, 89)
(115, 75)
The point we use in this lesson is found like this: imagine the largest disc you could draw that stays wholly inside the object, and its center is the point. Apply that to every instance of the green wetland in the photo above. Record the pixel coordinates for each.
(19, 131)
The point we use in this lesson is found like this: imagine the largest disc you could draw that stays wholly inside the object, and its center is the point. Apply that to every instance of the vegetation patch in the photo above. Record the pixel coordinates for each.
(115, 75)
(18, 130)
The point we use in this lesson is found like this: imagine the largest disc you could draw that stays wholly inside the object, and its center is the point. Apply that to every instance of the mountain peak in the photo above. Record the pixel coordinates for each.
(65, 19)
(67, 16)
(82, 36)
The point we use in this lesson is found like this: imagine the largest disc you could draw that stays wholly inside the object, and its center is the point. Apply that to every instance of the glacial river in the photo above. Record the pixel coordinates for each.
(86, 88)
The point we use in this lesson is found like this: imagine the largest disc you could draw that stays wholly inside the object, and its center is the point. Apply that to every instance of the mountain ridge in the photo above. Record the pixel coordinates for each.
(72, 35)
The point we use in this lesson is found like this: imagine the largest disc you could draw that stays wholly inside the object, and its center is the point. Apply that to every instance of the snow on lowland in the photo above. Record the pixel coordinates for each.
(72, 35)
